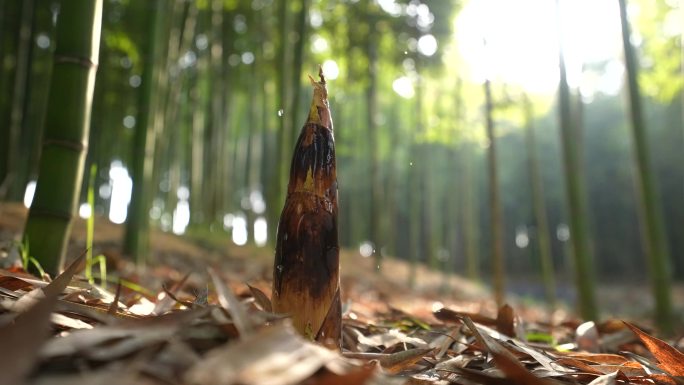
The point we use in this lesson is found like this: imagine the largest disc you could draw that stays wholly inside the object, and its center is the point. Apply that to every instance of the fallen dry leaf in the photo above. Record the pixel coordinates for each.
(139, 337)
(448, 315)
(606, 379)
(24, 335)
(396, 362)
(229, 302)
(29, 329)
(272, 356)
(671, 360)
(261, 298)
(505, 361)
(356, 376)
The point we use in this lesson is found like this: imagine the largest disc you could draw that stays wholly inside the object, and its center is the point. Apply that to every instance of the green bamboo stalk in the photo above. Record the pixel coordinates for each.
(650, 212)
(426, 195)
(539, 207)
(579, 237)
(297, 64)
(221, 154)
(136, 239)
(66, 131)
(374, 151)
(413, 197)
(496, 211)
(7, 72)
(414, 194)
(198, 205)
(282, 154)
(391, 205)
(18, 99)
(471, 223)
(426, 248)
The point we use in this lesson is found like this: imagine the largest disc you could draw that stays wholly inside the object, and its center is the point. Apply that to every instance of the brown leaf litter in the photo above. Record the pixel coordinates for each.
(69, 331)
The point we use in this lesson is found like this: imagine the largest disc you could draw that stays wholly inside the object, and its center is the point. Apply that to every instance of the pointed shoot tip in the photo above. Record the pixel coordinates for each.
(320, 74)
(313, 82)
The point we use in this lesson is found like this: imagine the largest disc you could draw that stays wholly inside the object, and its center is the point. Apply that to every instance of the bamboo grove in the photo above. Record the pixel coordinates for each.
(199, 103)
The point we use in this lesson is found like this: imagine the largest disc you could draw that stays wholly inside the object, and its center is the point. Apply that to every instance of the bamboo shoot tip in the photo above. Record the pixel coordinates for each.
(320, 74)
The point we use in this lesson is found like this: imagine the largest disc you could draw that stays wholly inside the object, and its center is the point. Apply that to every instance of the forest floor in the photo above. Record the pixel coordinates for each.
(392, 333)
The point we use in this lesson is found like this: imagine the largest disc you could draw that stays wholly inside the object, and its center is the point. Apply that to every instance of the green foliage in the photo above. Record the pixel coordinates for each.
(660, 24)
(540, 337)
(90, 233)
(120, 41)
(28, 263)
(408, 324)
(132, 286)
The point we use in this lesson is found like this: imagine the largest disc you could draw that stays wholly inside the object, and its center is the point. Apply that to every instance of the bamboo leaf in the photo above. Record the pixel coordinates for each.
(25, 335)
(505, 360)
(671, 360)
(274, 355)
(261, 298)
(30, 329)
(229, 302)
(606, 379)
(399, 361)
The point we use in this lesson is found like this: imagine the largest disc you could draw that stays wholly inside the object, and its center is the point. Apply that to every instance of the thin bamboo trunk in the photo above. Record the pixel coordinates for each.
(8, 56)
(229, 116)
(35, 97)
(257, 144)
(471, 227)
(354, 205)
(266, 119)
(198, 205)
(574, 184)
(415, 190)
(239, 145)
(169, 125)
(468, 197)
(413, 197)
(265, 172)
(66, 133)
(424, 184)
(539, 207)
(136, 240)
(275, 197)
(496, 211)
(220, 151)
(374, 152)
(251, 163)
(297, 63)
(253, 150)
(391, 190)
(650, 212)
(165, 111)
(14, 180)
(448, 214)
(345, 216)
(426, 195)
(33, 105)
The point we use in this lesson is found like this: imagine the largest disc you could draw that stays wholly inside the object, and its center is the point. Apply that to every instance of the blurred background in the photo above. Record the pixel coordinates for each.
(490, 138)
